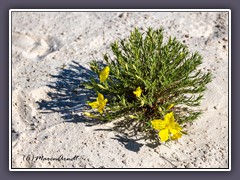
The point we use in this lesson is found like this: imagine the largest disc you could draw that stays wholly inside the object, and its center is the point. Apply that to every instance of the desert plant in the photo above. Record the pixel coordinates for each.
(155, 84)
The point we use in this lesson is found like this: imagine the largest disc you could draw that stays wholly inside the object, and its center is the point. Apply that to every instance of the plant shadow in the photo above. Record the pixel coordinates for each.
(129, 144)
(68, 96)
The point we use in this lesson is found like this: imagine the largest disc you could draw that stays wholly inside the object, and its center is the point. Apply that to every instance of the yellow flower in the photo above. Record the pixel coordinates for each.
(138, 92)
(168, 128)
(99, 104)
(104, 74)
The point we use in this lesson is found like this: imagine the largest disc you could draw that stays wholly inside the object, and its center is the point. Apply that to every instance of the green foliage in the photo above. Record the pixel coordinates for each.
(166, 72)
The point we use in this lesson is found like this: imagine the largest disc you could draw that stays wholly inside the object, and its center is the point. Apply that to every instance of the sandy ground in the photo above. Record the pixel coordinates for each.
(50, 56)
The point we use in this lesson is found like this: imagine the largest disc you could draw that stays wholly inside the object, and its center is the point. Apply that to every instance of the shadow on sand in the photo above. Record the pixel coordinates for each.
(68, 97)
(67, 94)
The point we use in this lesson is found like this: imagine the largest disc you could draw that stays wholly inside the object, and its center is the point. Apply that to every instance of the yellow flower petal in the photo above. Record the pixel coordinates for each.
(138, 92)
(164, 135)
(176, 136)
(167, 128)
(174, 128)
(102, 105)
(104, 74)
(100, 97)
(94, 104)
(169, 118)
(158, 124)
(100, 110)
(99, 104)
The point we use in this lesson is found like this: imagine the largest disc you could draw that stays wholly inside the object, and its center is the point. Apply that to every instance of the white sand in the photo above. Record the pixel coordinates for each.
(45, 42)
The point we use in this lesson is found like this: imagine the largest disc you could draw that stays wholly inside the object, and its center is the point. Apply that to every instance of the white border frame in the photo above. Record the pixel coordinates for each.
(119, 10)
